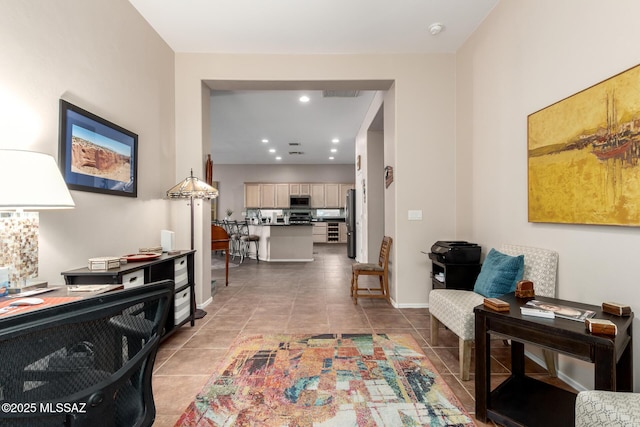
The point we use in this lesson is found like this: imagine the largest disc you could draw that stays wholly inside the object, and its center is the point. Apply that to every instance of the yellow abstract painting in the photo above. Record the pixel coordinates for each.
(583, 156)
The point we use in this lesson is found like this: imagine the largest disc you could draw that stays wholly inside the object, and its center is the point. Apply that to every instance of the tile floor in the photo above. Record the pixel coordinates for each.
(297, 298)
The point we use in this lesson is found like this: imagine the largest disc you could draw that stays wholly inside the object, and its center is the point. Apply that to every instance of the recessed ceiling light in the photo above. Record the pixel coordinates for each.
(335, 140)
(272, 150)
(304, 98)
(265, 140)
(334, 150)
(331, 158)
(278, 158)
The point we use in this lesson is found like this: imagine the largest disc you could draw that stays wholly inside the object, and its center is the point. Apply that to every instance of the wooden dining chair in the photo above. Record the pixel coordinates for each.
(381, 269)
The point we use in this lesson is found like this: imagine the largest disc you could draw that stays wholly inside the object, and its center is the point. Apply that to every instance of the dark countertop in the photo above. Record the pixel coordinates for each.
(280, 225)
(325, 219)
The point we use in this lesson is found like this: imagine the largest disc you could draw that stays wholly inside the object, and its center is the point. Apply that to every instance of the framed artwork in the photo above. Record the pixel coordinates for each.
(96, 155)
(583, 154)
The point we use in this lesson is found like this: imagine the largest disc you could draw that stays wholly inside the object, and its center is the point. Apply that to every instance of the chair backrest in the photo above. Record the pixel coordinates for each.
(93, 358)
(540, 266)
(243, 228)
(219, 233)
(385, 250)
(232, 228)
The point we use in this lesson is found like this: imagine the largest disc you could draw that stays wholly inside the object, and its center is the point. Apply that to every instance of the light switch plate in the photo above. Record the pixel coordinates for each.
(415, 215)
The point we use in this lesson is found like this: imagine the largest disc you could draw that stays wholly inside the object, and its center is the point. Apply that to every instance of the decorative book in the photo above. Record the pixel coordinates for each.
(616, 308)
(496, 304)
(537, 312)
(563, 311)
(601, 326)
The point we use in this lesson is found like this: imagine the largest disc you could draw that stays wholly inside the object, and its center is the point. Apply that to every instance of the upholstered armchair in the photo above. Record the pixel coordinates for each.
(596, 408)
(454, 308)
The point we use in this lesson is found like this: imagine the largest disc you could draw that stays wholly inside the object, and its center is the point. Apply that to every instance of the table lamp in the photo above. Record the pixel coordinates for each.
(192, 188)
(29, 181)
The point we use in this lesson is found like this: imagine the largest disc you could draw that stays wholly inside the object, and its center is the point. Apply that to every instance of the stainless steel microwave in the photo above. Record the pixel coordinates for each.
(298, 202)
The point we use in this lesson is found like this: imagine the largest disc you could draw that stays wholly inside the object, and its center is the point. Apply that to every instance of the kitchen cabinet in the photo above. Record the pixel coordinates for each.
(319, 232)
(252, 196)
(268, 195)
(343, 232)
(344, 188)
(282, 195)
(276, 195)
(317, 195)
(300, 189)
(332, 195)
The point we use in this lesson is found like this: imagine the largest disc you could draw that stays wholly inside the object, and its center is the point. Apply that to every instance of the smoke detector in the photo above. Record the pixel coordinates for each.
(436, 28)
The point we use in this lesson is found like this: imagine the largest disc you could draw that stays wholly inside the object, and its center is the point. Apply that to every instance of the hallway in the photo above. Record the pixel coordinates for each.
(296, 298)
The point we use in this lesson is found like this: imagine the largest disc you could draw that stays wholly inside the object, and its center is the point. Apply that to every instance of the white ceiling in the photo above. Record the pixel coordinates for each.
(243, 118)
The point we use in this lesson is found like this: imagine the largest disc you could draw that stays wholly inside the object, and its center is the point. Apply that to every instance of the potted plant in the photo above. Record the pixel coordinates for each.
(229, 213)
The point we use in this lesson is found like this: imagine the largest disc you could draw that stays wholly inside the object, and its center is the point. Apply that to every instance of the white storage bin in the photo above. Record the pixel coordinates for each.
(182, 305)
(133, 279)
(181, 274)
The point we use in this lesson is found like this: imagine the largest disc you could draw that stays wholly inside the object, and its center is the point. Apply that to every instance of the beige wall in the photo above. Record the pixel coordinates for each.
(422, 133)
(526, 56)
(102, 56)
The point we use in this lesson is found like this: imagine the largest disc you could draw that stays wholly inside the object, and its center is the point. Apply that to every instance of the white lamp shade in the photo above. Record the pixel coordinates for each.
(31, 181)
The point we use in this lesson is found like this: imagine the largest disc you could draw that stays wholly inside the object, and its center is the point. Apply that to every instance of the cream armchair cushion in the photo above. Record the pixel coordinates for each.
(454, 308)
(597, 408)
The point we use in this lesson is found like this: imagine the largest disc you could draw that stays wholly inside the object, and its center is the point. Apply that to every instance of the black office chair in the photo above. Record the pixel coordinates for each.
(84, 363)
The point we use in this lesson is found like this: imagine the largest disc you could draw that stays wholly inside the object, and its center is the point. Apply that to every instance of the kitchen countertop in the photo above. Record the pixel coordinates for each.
(279, 225)
(328, 220)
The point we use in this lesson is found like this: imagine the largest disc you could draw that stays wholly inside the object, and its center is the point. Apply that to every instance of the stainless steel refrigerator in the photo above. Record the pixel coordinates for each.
(350, 219)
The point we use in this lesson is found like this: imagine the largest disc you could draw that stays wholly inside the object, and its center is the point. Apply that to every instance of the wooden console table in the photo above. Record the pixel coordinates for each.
(178, 267)
(521, 400)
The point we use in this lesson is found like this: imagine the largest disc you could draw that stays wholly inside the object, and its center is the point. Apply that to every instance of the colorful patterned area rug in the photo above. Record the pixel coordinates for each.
(326, 380)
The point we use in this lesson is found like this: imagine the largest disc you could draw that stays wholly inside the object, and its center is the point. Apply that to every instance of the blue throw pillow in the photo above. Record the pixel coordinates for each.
(499, 274)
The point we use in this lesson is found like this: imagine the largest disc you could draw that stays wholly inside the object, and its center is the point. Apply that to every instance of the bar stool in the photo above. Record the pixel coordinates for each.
(246, 239)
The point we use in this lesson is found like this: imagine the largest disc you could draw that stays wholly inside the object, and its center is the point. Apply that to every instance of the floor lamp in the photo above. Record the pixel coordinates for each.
(192, 188)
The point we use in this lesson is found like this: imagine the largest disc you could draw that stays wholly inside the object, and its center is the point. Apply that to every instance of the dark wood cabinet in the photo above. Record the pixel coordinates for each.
(177, 267)
(454, 276)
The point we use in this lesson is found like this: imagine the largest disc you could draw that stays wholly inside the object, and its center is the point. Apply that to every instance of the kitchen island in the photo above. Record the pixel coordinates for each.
(284, 242)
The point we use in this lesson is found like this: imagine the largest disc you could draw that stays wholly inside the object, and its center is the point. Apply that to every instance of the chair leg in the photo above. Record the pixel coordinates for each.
(354, 288)
(385, 283)
(435, 327)
(257, 251)
(351, 283)
(465, 358)
(550, 360)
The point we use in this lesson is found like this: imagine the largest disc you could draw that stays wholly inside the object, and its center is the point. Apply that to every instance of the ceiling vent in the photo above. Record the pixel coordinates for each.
(295, 153)
(294, 144)
(340, 93)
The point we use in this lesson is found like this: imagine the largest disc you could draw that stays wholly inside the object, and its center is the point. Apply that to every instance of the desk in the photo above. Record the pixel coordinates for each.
(58, 295)
(521, 400)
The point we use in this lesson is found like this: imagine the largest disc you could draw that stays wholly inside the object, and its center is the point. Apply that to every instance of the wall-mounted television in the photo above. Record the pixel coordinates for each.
(95, 154)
